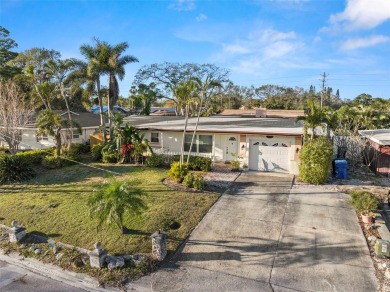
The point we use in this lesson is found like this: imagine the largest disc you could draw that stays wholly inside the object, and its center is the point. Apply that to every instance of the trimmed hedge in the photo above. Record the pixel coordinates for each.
(34, 157)
(155, 160)
(51, 162)
(14, 169)
(316, 161)
(196, 162)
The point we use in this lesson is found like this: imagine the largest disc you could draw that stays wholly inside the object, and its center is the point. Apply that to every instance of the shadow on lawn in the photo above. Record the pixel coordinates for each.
(47, 235)
(82, 173)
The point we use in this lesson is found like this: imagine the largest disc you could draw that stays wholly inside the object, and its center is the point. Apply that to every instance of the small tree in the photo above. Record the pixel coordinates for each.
(316, 161)
(110, 202)
(49, 123)
(15, 113)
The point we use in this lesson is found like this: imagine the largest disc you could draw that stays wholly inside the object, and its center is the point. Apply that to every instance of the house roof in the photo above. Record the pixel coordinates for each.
(382, 137)
(84, 119)
(219, 124)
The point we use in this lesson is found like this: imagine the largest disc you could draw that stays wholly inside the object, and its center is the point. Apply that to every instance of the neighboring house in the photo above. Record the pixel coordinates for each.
(115, 109)
(263, 113)
(379, 151)
(162, 111)
(89, 123)
(266, 144)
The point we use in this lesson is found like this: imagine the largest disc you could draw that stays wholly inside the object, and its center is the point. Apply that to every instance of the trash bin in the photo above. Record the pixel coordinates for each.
(341, 169)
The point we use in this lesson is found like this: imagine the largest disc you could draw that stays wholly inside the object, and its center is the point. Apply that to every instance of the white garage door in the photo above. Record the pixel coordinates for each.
(269, 156)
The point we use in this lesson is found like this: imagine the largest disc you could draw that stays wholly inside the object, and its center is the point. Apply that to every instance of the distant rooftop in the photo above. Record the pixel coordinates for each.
(382, 137)
(263, 113)
(219, 124)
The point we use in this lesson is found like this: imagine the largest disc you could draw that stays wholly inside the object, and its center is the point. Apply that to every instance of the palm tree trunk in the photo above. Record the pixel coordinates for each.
(102, 122)
(47, 105)
(69, 117)
(196, 128)
(184, 135)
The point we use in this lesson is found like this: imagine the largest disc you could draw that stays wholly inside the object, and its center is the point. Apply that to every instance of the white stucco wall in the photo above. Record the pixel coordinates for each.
(172, 141)
(29, 139)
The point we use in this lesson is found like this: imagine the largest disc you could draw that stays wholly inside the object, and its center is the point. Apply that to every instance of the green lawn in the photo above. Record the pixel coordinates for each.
(55, 204)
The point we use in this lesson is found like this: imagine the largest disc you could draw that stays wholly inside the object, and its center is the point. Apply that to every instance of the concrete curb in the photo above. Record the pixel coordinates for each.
(77, 280)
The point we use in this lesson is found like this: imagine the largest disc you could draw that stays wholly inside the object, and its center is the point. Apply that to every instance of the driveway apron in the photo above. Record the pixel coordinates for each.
(259, 237)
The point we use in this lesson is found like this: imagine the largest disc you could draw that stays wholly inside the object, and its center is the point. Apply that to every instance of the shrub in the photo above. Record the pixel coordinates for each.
(198, 182)
(81, 148)
(155, 160)
(14, 169)
(316, 161)
(70, 154)
(188, 181)
(176, 173)
(235, 165)
(196, 162)
(201, 163)
(110, 157)
(363, 201)
(96, 151)
(33, 156)
(51, 162)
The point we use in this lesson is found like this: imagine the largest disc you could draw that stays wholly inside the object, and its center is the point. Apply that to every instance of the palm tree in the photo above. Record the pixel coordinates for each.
(184, 93)
(314, 118)
(114, 66)
(92, 71)
(51, 124)
(110, 202)
(60, 73)
(205, 91)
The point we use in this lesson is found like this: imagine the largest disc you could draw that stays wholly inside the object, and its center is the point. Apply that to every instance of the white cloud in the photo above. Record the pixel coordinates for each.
(361, 14)
(183, 5)
(201, 17)
(357, 43)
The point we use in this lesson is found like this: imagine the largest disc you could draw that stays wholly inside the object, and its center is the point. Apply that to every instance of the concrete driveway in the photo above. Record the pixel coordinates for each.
(264, 236)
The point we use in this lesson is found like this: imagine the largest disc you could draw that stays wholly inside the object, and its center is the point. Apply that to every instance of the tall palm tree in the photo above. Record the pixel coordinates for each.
(184, 92)
(60, 73)
(205, 89)
(93, 70)
(114, 66)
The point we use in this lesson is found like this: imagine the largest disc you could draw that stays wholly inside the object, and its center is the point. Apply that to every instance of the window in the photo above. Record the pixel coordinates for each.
(76, 135)
(205, 143)
(202, 143)
(43, 138)
(154, 137)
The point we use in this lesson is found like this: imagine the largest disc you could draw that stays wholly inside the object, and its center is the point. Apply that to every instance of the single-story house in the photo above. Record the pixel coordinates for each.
(89, 123)
(379, 150)
(265, 144)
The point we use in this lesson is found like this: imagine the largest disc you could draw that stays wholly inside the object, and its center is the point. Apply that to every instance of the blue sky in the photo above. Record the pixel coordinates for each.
(283, 42)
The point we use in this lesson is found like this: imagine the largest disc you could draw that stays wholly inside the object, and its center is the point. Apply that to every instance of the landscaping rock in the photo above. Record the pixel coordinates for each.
(22, 245)
(115, 262)
(37, 251)
(97, 257)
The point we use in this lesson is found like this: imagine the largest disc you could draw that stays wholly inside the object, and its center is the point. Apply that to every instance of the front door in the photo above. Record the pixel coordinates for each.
(231, 148)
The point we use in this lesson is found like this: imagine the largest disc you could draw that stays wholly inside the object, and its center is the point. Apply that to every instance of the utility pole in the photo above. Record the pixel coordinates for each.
(323, 87)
